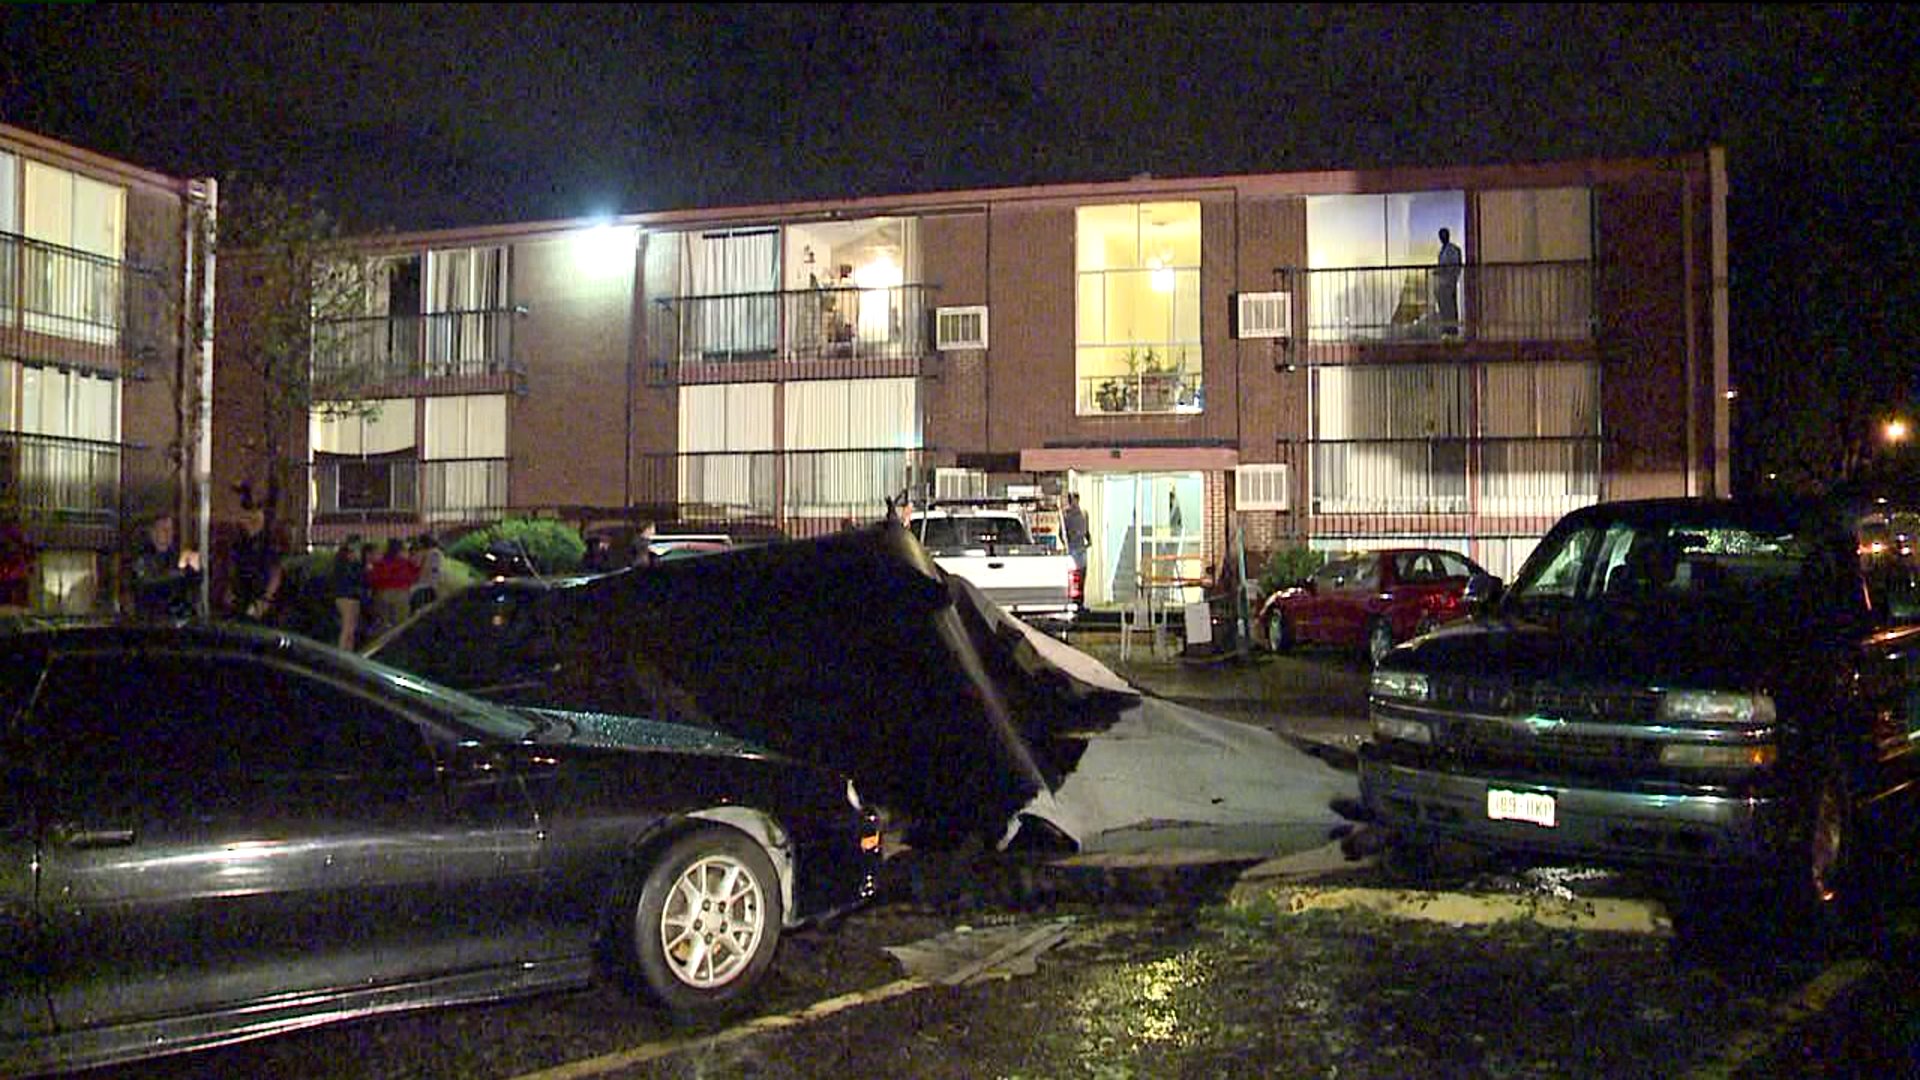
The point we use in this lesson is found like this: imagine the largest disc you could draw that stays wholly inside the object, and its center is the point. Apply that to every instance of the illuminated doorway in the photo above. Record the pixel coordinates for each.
(1147, 527)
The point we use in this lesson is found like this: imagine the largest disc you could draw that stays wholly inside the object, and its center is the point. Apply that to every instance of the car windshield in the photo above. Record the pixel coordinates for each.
(1704, 563)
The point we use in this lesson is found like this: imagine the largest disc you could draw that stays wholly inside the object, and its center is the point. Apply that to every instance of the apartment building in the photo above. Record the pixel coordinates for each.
(102, 368)
(1213, 363)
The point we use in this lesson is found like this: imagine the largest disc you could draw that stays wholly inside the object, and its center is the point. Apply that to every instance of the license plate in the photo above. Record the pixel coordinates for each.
(1530, 806)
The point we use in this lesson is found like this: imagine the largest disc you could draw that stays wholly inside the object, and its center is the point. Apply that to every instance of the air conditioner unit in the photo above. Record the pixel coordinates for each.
(1262, 487)
(1263, 315)
(960, 327)
(959, 484)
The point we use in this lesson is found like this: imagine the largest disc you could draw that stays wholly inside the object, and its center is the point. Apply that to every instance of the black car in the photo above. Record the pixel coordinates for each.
(1729, 688)
(213, 833)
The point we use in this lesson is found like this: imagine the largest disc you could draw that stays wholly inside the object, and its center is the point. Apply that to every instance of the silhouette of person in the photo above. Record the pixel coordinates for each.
(1446, 283)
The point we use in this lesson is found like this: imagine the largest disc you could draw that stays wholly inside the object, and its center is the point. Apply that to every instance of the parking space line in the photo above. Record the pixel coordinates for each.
(1803, 1005)
(645, 1052)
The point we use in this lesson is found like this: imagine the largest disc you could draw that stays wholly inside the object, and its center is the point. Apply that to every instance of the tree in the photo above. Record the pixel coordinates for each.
(304, 340)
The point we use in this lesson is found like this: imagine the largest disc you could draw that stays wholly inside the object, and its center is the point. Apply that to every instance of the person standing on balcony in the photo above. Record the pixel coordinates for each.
(1446, 284)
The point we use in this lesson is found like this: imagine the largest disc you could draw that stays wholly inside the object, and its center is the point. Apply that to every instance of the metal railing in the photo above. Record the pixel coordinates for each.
(1141, 392)
(66, 306)
(407, 489)
(387, 348)
(1507, 302)
(1534, 479)
(802, 492)
(815, 333)
(48, 477)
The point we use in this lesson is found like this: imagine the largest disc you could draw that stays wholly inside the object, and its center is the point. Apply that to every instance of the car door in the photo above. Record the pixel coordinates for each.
(227, 830)
(1352, 604)
(1309, 611)
(23, 1000)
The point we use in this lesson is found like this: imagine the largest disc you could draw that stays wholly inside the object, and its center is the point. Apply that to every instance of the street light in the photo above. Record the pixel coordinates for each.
(1894, 431)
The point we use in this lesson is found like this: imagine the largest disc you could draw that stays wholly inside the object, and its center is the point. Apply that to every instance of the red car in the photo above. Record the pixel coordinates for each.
(1370, 599)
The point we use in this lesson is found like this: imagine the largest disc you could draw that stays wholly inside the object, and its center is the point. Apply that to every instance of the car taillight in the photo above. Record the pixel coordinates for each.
(1076, 584)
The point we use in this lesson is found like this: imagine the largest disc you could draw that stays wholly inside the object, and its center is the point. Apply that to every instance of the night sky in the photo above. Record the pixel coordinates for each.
(429, 116)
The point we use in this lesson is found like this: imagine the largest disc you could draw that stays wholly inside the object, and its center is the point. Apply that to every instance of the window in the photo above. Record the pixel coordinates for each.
(465, 451)
(1390, 439)
(1537, 247)
(1137, 308)
(736, 281)
(71, 274)
(196, 716)
(1541, 456)
(1374, 260)
(365, 462)
(468, 321)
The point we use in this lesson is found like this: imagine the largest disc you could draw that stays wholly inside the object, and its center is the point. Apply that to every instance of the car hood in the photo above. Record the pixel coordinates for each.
(1622, 645)
(847, 651)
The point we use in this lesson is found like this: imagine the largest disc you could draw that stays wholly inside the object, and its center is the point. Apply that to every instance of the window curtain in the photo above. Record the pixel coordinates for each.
(736, 278)
(467, 302)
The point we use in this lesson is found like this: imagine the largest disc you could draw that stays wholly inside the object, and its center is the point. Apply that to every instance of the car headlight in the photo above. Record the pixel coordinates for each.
(1711, 756)
(1413, 731)
(1400, 685)
(1717, 708)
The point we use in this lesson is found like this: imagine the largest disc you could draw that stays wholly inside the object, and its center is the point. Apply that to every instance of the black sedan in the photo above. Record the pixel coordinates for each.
(215, 833)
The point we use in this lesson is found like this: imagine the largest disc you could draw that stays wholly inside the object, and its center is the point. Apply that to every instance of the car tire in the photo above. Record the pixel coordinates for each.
(1279, 633)
(1826, 888)
(1379, 640)
(697, 925)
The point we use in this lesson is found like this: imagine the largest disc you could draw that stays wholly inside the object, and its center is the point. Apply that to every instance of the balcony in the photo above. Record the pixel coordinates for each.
(413, 355)
(801, 492)
(1378, 487)
(405, 490)
(826, 333)
(59, 305)
(46, 478)
(1142, 393)
(1413, 312)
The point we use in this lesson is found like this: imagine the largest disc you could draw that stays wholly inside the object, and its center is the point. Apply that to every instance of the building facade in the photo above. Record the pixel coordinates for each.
(1448, 356)
(103, 368)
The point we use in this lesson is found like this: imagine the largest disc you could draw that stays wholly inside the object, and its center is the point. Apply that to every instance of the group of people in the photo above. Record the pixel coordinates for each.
(374, 591)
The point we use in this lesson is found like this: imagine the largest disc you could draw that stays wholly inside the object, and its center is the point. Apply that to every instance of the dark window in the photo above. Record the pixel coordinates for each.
(195, 714)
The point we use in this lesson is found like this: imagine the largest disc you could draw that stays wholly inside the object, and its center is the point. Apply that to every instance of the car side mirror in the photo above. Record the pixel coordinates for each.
(1483, 591)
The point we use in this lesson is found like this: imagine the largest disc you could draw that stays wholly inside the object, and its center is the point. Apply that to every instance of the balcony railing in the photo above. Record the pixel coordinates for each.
(50, 478)
(350, 355)
(1385, 484)
(409, 490)
(65, 306)
(1142, 392)
(1407, 305)
(802, 492)
(807, 333)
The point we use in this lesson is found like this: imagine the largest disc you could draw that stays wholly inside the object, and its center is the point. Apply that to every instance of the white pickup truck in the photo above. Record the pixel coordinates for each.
(992, 548)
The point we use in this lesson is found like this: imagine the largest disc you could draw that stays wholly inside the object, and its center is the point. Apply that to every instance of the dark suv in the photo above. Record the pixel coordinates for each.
(1701, 684)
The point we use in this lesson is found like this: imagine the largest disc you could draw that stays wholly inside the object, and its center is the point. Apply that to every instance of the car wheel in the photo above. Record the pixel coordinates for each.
(1826, 888)
(1279, 633)
(697, 926)
(1379, 640)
